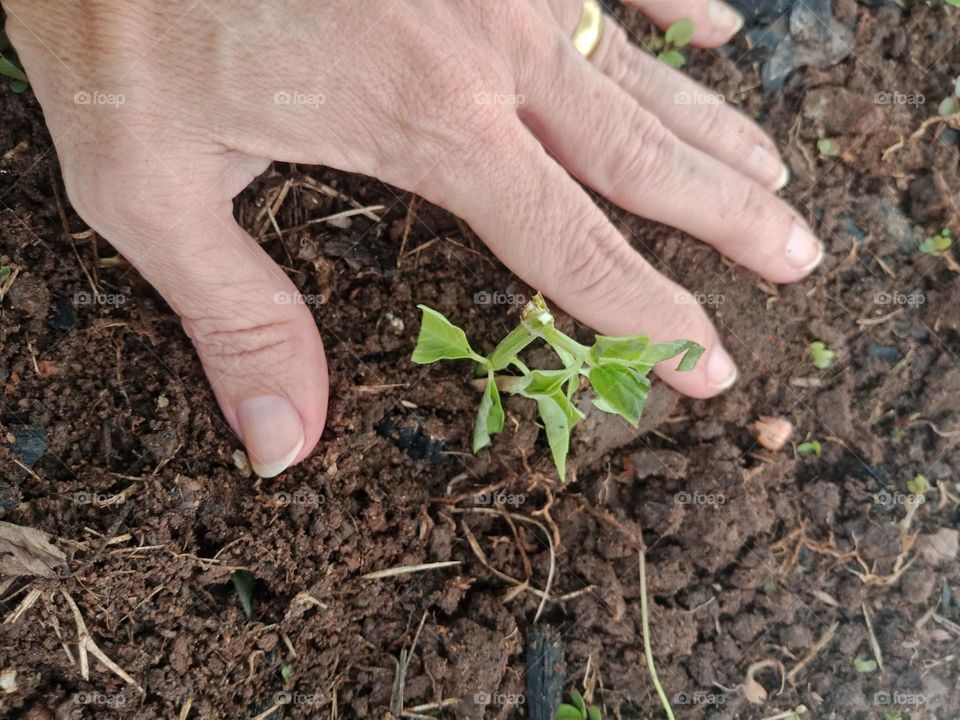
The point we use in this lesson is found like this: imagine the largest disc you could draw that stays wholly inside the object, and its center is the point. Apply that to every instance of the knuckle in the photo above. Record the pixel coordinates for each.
(649, 149)
(595, 260)
(620, 59)
(257, 342)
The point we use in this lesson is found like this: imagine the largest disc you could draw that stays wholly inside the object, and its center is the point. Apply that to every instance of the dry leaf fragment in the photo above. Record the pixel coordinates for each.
(753, 691)
(940, 547)
(28, 551)
(772, 432)
(8, 680)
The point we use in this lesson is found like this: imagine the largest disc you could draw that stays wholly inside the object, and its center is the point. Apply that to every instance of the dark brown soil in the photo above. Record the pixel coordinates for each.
(752, 555)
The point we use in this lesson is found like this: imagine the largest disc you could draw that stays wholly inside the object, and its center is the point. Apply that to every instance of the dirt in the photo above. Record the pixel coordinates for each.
(752, 555)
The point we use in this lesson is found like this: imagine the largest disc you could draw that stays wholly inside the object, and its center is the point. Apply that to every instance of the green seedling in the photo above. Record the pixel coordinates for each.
(810, 447)
(865, 666)
(668, 48)
(286, 672)
(937, 244)
(821, 355)
(243, 584)
(826, 148)
(918, 485)
(579, 710)
(615, 367)
(18, 81)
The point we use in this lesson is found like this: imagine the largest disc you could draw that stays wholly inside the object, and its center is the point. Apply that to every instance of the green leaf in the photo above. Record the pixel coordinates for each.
(680, 33)
(626, 350)
(541, 382)
(948, 106)
(568, 712)
(559, 416)
(821, 355)
(664, 351)
(593, 713)
(936, 244)
(18, 86)
(5, 271)
(811, 447)
(673, 58)
(243, 584)
(622, 390)
(865, 666)
(440, 339)
(489, 416)
(286, 672)
(11, 71)
(578, 701)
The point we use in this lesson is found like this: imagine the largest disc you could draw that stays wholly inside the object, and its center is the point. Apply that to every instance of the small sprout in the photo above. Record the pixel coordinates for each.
(865, 666)
(286, 672)
(821, 355)
(5, 271)
(948, 106)
(918, 485)
(18, 81)
(773, 432)
(668, 47)
(579, 710)
(243, 584)
(937, 244)
(810, 447)
(826, 148)
(615, 367)
(893, 714)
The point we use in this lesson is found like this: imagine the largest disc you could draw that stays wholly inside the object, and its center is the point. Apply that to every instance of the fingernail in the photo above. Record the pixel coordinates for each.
(724, 17)
(803, 250)
(721, 370)
(272, 433)
(763, 163)
(783, 178)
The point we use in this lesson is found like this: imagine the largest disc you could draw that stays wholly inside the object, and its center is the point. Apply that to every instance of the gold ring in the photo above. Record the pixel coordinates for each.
(587, 35)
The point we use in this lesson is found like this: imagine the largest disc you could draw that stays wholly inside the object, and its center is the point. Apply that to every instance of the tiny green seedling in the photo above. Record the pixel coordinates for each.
(822, 356)
(579, 710)
(810, 447)
(286, 672)
(937, 244)
(18, 81)
(615, 367)
(918, 485)
(826, 148)
(864, 666)
(668, 47)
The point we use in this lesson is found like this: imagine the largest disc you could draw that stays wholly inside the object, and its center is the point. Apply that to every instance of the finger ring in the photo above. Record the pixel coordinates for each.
(587, 35)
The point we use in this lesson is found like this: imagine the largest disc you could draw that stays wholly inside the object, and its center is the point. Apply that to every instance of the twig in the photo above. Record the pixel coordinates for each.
(85, 644)
(814, 651)
(873, 638)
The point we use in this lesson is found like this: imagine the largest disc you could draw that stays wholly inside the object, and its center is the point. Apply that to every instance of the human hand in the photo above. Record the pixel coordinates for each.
(400, 91)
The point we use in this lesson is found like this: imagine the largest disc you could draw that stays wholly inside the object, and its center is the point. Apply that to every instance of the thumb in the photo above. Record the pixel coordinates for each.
(257, 341)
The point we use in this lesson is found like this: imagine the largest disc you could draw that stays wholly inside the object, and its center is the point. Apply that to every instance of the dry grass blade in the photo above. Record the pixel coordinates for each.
(28, 602)
(85, 643)
(407, 569)
(814, 651)
(875, 646)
